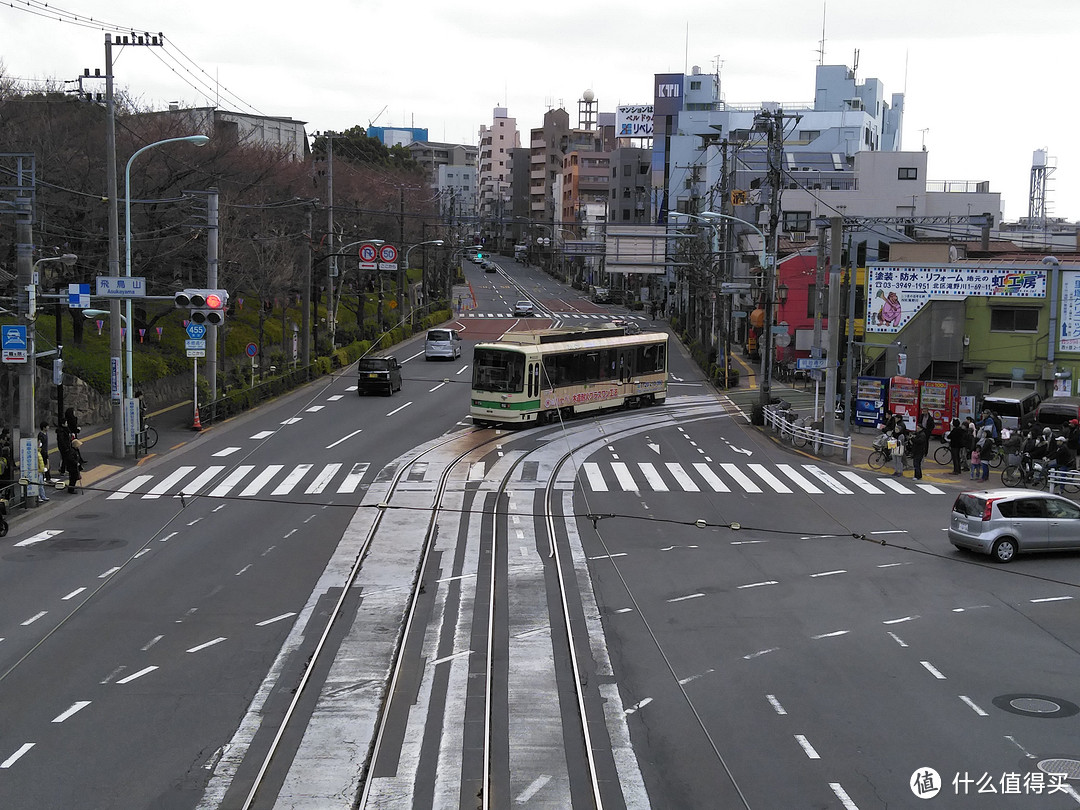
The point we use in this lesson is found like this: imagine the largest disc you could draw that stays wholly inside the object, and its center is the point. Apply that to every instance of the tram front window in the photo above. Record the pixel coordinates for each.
(498, 371)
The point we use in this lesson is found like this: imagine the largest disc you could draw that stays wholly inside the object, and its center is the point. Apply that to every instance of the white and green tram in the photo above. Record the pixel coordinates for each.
(533, 377)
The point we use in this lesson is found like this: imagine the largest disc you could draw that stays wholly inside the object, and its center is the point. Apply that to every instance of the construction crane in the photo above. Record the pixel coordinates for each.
(371, 123)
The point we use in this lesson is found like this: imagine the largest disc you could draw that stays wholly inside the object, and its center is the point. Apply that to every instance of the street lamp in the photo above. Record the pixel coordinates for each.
(68, 259)
(423, 284)
(196, 140)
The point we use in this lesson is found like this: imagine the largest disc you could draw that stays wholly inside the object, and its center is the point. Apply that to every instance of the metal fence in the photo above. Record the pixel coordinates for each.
(784, 422)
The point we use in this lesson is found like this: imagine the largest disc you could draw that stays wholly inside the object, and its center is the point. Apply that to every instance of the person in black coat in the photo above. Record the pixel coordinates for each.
(69, 461)
(72, 422)
(920, 443)
(957, 444)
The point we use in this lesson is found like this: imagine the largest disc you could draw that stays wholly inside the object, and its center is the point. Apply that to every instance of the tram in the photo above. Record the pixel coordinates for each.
(533, 377)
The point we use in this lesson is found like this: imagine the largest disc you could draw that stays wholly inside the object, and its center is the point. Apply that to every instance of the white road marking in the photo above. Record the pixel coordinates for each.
(143, 551)
(167, 483)
(533, 789)
(446, 658)
(798, 478)
(437, 387)
(807, 747)
(622, 473)
(829, 573)
(225, 451)
(263, 434)
(974, 706)
(652, 477)
(931, 489)
(758, 584)
(292, 479)
(78, 705)
(261, 480)
(139, 674)
(40, 537)
(932, 670)
(685, 681)
(476, 471)
(322, 480)
(1052, 599)
(865, 486)
(206, 644)
(827, 479)
(314, 409)
(292, 420)
(151, 642)
(352, 480)
(740, 477)
(841, 794)
(344, 439)
(110, 572)
(7, 763)
(282, 617)
(335, 397)
(201, 480)
(833, 634)
(776, 704)
(168, 537)
(895, 486)
(625, 610)
(681, 477)
(900, 620)
(400, 409)
(639, 705)
(769, 478)
(351, 388)
(34, 618)
(605, 556)
(684, 598)
(897, 639)
(73, 594)
(233, 478)
(596, 478)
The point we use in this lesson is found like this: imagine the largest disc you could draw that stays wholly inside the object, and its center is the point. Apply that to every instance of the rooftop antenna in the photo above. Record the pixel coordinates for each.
(821, 49)
(719, 64)
(924, 130)
(855, 65)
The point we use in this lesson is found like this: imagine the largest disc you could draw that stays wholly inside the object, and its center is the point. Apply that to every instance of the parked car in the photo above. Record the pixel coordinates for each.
(444, 343)
(1007, 522)
(523, 309)
(378, 375)
(489, 267)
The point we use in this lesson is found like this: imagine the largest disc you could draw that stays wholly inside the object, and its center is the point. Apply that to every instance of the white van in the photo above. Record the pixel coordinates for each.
(442, 343)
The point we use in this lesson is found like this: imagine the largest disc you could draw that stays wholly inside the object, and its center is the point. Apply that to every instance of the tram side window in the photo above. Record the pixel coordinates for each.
(498, 371)
(650, 359)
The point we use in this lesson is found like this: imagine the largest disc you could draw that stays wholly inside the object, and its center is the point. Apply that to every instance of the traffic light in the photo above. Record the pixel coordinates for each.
(207, 306)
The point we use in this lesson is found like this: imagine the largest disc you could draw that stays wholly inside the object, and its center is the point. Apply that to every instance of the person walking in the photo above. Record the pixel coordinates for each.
(69, 461)
(43, 447)
(899, 437)
(957, 444)
(920, 443)
(1063, 460)
(985, 447)
(72, 422)
(42, 470)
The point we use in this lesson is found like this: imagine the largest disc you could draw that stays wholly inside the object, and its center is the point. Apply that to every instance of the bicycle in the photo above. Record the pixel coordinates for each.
(149, 436)
(879, 458)
(1031, 473)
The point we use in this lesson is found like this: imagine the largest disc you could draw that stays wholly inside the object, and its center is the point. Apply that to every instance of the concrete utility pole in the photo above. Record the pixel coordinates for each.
(212, 283)
(24, 266)
(115, 338)
(305, 318)
(836, 227)
(775, 124)
(331, 267)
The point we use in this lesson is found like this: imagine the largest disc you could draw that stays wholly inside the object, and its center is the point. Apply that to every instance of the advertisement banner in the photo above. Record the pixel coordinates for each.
(634, 121)
(1069, 338)
(894, 295)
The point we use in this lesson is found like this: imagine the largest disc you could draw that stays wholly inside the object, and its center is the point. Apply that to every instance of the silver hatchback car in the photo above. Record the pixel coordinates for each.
(1005, 522)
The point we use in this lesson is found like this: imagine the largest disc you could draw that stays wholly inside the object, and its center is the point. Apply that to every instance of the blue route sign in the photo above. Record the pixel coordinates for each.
(196, 331)
(13, 343)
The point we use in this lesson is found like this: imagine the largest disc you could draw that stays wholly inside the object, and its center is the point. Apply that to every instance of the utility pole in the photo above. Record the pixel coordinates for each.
(819, 299)
(331, 268)
(24, 266)
(402, 272)
(775, 124)
(115, 337)
(305, 318)
(836, 228)
(212, 283)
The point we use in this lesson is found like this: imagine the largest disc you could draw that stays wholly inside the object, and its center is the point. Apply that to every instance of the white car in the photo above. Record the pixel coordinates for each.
(523, 309)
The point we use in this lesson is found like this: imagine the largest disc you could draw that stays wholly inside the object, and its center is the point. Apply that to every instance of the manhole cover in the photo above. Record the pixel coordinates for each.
(1069, 767)
(1035, 705)
(1045, 707)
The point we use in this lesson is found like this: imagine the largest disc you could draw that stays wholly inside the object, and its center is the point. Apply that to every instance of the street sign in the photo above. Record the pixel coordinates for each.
(13, 344)
(195, 331)
(388, 258)
(804, 363)
(252, 349)
(195, 348)
(78, 296)
(368, 253)
(734, 287)
(121, 286)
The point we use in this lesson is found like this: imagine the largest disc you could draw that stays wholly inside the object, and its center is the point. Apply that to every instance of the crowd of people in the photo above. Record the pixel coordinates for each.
(68, 446)
(973, 442)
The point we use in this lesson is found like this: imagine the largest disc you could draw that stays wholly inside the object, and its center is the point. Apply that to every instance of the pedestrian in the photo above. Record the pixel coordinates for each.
(43, 446)
(898, 451)
(986, 448)
(975, 464)
(957, 442)
(920, 442)
(1063, 460)
(928, 423)
(69, 462)
(72, 422)
(42, 469)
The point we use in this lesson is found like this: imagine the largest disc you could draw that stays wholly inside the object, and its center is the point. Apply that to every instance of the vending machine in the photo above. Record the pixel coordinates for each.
(904, 399)
(871, 399)
(942, 399)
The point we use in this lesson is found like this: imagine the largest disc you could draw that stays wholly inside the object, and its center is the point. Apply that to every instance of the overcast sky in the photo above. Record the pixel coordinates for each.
(987, 83)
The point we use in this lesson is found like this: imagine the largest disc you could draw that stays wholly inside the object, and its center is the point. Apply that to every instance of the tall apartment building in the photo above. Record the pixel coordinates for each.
(493, 197)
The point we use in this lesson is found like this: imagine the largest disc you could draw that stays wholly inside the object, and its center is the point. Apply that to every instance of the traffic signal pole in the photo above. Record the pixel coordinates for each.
(212, 282)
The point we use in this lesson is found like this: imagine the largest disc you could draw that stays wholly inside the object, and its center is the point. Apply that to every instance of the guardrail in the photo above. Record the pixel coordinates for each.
(782, 422)
(1064, 478)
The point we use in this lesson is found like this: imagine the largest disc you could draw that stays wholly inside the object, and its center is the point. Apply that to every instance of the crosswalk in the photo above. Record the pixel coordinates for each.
(247, 481)
(757, 479)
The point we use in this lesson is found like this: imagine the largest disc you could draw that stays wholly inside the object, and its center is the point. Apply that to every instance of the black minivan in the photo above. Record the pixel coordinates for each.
(378, 375)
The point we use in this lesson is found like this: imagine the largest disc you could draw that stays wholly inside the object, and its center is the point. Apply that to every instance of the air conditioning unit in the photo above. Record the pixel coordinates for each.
(855, 103)
(797, 236)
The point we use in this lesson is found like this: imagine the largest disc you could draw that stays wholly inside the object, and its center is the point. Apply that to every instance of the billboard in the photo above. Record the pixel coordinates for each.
(1069, 337)
(634, 121)
(636, 249)
(895, 294)
(667, 89)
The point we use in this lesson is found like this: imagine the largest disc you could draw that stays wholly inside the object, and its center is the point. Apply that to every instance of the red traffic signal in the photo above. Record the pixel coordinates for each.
(207, 306)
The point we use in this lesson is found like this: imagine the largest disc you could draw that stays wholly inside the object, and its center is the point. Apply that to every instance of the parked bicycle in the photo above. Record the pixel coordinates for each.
(882, 454)
(149, 436)
(943, 456)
